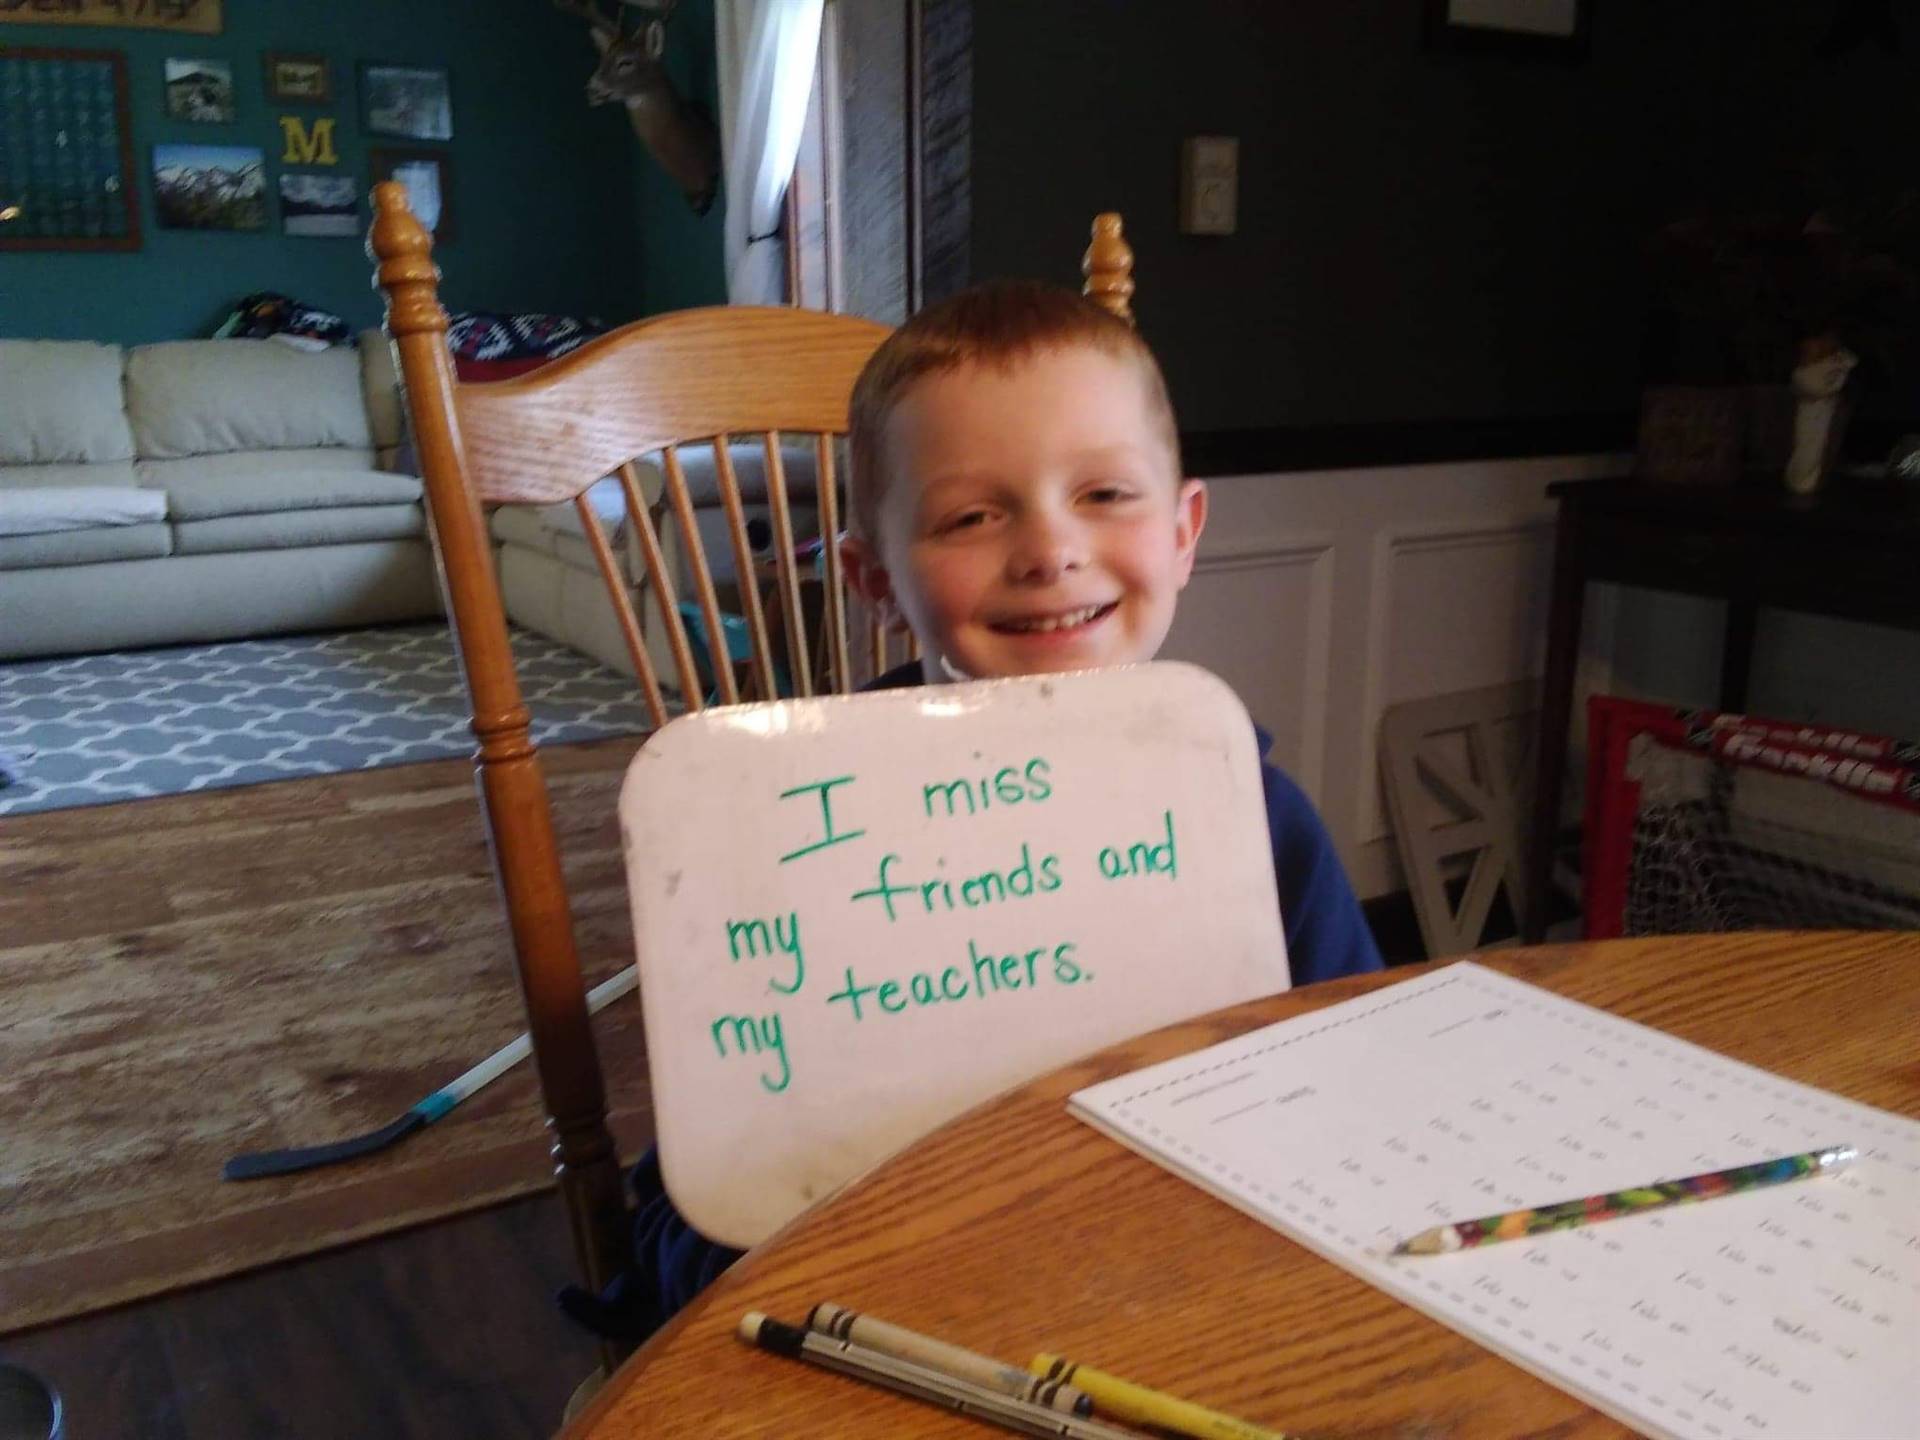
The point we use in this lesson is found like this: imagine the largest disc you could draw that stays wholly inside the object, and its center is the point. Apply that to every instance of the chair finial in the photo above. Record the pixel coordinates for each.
(1108, 266)
(403, 252)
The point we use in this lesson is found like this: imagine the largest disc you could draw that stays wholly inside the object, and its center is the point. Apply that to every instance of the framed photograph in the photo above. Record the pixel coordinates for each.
(66, 151)
(200, 90)
(298, 79)
(1546, 29)
(428, 176)
(407, 101)
(319, 205)
(210, 187)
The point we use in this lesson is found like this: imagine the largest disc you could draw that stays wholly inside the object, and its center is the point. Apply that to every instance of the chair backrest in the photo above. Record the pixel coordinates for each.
(705, 378)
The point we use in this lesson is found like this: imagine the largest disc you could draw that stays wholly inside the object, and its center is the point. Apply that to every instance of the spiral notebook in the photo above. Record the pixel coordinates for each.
(1789, 1311)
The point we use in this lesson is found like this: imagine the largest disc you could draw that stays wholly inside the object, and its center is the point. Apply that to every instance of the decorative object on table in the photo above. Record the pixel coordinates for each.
(632, 71)
(1689, 434)
(1740, 299)
(66, 171)
(308, 145)
(409, 102)
(1536, 29)
(210, 187)
(297, 79)
(1819, 412)
(428, 176)
(319, 205)
(197, 17)
(200, 90)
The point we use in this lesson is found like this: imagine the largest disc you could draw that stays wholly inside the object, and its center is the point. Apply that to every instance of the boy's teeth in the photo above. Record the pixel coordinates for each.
(1057, 622)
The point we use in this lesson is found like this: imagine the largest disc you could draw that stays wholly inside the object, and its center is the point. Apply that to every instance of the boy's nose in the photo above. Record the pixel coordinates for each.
(1045, 548)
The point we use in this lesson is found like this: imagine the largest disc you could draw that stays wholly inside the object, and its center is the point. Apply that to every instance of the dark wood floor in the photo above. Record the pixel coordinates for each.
(445, 1331)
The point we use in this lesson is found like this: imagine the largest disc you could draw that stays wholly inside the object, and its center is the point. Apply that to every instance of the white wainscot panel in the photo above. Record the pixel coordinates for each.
(1259, 615)
(1460, 606)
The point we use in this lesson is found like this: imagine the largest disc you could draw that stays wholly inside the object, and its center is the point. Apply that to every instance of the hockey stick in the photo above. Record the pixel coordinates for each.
(260, 1163)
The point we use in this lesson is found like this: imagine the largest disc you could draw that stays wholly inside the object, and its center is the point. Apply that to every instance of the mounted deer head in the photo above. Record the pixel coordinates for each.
(682, 139)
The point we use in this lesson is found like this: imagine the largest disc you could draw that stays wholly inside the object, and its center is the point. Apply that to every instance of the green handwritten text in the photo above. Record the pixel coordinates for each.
(1143, 859)
(756, 939)
(1009, 785)
(755, 1037)
(983, 974)
(942, 896)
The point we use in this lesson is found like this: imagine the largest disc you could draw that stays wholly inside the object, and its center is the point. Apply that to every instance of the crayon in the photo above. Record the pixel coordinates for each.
(1136, 1404)
(904, 1344)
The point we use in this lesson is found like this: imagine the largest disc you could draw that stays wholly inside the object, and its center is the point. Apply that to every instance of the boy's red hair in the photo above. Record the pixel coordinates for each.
(998, 324)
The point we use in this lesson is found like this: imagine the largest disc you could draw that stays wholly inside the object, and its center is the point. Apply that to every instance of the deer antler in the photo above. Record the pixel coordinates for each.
(590, 12)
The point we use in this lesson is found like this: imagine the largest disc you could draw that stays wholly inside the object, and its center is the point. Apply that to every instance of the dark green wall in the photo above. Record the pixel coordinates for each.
(1424, 235)
(556, 206)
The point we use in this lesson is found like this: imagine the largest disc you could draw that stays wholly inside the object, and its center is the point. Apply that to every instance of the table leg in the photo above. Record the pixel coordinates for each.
(1556, 714)
(1736, 655)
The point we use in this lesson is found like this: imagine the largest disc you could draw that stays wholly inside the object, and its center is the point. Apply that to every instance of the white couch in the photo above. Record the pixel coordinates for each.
(202, 490)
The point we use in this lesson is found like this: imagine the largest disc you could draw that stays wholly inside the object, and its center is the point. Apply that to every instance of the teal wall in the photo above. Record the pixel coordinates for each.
(682, 261)
(556, 206)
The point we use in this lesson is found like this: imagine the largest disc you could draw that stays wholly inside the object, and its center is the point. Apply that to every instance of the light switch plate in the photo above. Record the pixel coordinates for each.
(1209, 184)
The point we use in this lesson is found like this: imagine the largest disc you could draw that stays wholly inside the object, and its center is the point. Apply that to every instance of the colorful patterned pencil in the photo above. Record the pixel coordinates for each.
(1520, 1224)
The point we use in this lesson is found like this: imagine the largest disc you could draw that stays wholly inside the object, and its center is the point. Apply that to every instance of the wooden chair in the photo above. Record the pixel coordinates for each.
(693, 377)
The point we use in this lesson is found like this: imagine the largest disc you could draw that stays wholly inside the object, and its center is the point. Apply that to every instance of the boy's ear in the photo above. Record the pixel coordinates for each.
(1189, 519)
(867, 577)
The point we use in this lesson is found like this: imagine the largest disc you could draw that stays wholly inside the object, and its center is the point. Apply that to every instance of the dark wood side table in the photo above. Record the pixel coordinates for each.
(1852, 551)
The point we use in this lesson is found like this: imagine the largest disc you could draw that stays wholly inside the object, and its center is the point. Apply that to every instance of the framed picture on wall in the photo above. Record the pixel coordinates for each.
(210, 187)
(319, 204)
(200, 90)
(1550, 29)
(410, 102)
(298, 79)
(428, 176)
(66, 169)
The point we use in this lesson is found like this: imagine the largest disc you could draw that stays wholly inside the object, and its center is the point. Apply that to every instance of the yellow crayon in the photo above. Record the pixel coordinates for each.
(1123, 1400)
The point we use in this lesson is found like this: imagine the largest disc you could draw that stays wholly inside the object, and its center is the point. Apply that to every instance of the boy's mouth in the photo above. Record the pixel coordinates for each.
(1063, 620)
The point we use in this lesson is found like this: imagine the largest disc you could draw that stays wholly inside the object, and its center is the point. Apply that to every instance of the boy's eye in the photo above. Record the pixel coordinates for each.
(965, 520)
(1107, 494)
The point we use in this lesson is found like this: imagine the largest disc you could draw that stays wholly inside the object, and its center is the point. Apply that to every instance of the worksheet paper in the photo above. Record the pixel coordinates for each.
(1792, 1310)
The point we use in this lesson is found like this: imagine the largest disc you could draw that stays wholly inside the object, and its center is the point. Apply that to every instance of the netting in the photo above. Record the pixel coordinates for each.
(1701, 821)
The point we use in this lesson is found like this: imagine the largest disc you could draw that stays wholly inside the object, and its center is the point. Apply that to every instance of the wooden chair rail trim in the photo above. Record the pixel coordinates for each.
(682, 501)
(666, 600)
(729, 485)
(622, 597)
(788, 581)
(545, 436)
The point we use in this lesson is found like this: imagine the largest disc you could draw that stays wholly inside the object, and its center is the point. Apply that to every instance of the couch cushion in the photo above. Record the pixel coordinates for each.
(210, 497)
(85, 547)
(60, 400)
(380, 387)
(199, 397)
(288, 529)
(266, 468)
(52, 508)
(111, 473)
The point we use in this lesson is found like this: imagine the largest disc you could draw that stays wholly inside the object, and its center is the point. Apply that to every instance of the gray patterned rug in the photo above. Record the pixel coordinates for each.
(99, 728)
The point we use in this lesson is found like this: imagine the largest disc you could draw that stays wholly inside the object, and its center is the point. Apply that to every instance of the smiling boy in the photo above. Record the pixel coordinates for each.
(1017, 502)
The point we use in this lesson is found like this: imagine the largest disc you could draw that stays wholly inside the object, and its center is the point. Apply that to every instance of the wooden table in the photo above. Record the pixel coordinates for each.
(1846, 551)
(1017, 1228)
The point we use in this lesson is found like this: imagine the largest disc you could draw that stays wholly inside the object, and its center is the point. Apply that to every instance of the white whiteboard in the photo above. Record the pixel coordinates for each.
(858, 916)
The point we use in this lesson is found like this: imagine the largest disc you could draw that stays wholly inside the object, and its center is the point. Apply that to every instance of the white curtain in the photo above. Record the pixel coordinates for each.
(767, 51)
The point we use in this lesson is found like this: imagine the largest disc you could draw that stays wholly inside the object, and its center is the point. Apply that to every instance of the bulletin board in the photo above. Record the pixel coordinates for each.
(66, 151)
